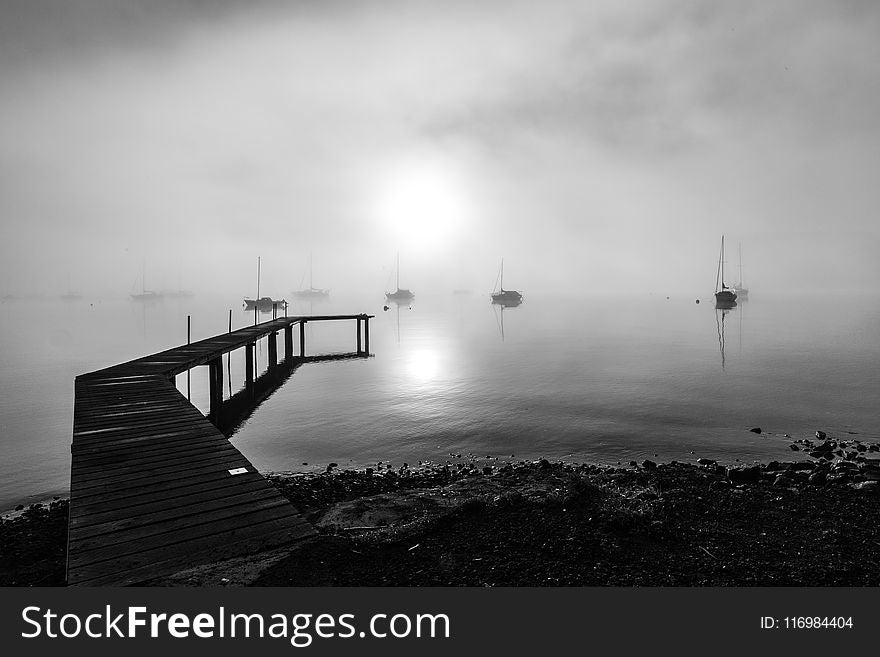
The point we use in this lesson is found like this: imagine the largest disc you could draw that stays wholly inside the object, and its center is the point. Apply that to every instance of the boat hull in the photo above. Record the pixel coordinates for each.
(264, 304)
(399, 295)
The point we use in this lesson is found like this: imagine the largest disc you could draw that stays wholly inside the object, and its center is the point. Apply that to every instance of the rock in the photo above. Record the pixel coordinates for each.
(720, 484)
(750, 473)
(487, 470)
(331, 466)
(648, 465)
(845, 466)
(866, 485)
(817, 454)
(780, 481)
(794, 448)
(802, 465)
(756, 430)
(633, 463)
(20, 507)
(543, 464)
(820, 435)
(818, 478)
(702, 461)
(369, 471)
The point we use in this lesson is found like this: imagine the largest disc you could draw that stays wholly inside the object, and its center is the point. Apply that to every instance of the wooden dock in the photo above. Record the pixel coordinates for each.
(155, 487)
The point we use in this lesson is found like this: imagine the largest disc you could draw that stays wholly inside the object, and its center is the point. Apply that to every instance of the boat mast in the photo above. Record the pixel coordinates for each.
(502, 275)
(398, 271)
(741, 265)
(258, 278)
(718, 269)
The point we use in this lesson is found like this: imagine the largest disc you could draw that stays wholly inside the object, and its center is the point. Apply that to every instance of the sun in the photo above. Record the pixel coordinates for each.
(421, 208)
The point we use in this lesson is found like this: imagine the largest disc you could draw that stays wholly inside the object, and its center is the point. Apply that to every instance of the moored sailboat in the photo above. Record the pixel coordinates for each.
(505, 297)
(724, 296)
(399, 294)
(263, 304)
(741, 290)
(311, 292)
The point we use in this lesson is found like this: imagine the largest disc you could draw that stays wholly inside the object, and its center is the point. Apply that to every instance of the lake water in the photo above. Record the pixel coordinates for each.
(602, 380)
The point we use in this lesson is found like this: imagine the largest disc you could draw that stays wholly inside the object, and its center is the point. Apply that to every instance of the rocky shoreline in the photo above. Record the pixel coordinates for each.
(813, 521)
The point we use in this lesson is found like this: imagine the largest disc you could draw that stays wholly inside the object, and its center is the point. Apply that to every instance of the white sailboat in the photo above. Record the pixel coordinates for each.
(145, 294)
(311, 292)
(741, 290)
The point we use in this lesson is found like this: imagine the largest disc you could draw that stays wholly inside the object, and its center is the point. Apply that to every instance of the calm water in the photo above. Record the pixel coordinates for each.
(590, 379)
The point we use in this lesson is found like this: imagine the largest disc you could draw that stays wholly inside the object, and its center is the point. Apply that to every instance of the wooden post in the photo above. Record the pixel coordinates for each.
(274, 310)
(302, 338)
(249, 365)
(187, 372)
(273, 348)
(255, 314)
(230, 320)
(366, 335)
(358, 322)
(215, 379)
(288, 342)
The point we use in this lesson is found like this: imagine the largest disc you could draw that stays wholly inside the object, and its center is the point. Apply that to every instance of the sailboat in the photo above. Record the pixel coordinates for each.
(505, 297)
(70, 295)
(263, 304)
(399, 294)
(724, 296)
(312, 292)
(741, 290)
(145, 294)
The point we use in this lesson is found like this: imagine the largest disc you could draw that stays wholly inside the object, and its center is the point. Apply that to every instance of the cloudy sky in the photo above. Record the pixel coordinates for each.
(591, 144)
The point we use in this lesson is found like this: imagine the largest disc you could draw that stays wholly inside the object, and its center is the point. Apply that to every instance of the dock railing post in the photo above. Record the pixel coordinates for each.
(249, 365)
(358, 322)
(188, 318)
(302, 338)
(215, 378)
(288, 342)
(367, 334)
(273, 348)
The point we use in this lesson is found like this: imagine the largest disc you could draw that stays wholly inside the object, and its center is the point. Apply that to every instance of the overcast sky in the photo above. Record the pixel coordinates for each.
(595, 144)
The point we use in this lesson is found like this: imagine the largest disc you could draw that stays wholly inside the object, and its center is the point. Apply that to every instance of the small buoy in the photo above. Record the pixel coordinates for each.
(698, 301)
(386, 307)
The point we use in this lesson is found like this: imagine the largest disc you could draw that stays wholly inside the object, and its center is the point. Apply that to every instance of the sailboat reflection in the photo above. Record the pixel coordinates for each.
(499, 314)
(721, 310)
(398, 303)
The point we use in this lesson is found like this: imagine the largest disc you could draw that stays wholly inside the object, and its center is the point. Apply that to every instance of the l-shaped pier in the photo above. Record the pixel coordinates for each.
(155, 487)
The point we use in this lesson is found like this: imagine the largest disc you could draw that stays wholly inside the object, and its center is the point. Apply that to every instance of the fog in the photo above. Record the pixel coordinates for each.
(598, 147)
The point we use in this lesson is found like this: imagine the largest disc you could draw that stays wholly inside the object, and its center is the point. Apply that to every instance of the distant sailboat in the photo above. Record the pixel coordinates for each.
(724, 296)
(145, 294)
(263, 304)
(399, 294)
(505, 297)
(741, 290)
(70, 295)
(312, 292)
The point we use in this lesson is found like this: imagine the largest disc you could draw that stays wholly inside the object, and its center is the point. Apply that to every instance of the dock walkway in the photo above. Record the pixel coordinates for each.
(155, 487)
